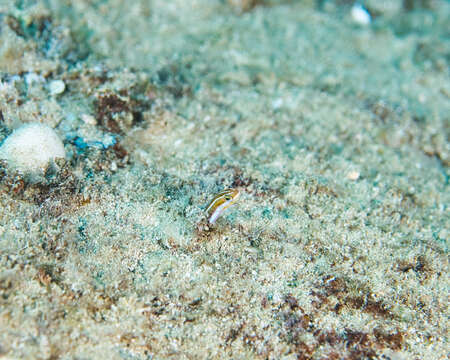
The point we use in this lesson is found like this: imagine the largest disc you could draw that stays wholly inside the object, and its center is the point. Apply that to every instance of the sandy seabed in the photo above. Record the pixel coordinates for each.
(336, 134)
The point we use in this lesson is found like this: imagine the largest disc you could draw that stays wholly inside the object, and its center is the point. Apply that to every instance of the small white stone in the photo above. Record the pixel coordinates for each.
(31, 78)
(57, 87)
(360, 14)
(88, 119)
(353, 175)
(31, 148)
(277, 103)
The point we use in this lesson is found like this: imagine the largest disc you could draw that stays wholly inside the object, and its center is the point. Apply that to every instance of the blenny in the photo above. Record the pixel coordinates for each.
(220, 202)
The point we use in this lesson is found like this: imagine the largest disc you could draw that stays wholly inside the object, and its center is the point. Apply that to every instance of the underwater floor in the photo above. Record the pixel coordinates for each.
(331, 119)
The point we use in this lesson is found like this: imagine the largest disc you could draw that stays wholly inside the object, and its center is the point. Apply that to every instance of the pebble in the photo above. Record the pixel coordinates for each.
(353, 175)
(88, 119)
(31, 148)
(360, 15)
(57, 87)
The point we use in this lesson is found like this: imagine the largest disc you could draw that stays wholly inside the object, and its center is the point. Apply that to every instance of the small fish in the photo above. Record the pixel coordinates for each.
(220, 202)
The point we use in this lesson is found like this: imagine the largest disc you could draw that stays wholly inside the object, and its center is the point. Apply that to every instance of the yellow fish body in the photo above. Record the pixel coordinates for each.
(220, 202)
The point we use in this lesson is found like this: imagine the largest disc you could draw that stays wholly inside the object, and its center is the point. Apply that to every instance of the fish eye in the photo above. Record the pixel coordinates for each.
(228, 198)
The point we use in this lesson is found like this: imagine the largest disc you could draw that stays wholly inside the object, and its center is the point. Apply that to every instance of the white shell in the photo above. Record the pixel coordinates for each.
(31, 147)
(360, 14)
